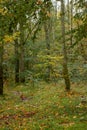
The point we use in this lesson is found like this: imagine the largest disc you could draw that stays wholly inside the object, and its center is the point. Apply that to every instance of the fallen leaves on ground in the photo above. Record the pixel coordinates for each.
(45, 107)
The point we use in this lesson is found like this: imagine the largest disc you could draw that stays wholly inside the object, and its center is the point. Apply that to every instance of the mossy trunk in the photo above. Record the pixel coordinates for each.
(22, 53)
(1, 69)
(65, 68)
(48, 37)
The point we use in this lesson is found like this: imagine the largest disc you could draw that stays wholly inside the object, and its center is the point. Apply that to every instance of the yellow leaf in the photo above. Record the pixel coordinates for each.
(74, 117)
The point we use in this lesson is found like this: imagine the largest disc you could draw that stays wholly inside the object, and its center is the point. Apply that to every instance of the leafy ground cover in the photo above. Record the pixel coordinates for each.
(43, 107)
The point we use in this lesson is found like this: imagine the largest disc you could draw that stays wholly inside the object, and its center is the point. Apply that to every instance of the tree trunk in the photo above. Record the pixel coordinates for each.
(68, 11)
(71, 23)
(65, 68)
(22, 52)
(48, 37)
(1, 69)
(22, 64)
(16, 62)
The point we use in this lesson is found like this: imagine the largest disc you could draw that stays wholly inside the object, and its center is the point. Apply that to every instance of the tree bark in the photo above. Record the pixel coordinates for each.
(68, 11)
(1, 69)
(47, 38)
(22, 53)
(71, 23)
(16, 61)
(65, 68)
(22, 64)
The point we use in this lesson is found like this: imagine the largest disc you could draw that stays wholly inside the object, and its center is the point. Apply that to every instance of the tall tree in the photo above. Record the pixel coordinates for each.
(16, 61)
(1, 68)
(22, 53)
(48, 33)
(2, 29)
(71, 22)
(65, 68)
(68, 11)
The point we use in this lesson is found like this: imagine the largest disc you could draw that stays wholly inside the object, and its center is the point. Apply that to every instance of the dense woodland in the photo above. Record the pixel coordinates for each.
(43, 41)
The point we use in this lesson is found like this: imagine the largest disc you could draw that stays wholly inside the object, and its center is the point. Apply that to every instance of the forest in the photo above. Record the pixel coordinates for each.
(43, 64)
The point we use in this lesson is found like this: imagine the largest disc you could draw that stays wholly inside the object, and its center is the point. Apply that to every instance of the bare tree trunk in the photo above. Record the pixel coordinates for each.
(65, 68)
(1, 69)
(22, 64)
(22, 52)
(47, 37)
(71, 22)
(68, 10)
(16, 61)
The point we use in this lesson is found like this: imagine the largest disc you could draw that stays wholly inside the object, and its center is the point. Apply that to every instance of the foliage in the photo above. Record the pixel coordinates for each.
(29, 51)
(80, 18)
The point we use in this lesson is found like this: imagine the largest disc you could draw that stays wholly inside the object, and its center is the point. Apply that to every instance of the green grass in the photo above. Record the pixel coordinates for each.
(45, 107)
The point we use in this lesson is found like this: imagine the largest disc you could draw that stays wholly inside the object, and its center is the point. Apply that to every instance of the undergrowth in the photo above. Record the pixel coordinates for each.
(43, 107)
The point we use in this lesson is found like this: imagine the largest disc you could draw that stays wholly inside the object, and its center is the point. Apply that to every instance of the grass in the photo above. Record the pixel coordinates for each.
(43, 107)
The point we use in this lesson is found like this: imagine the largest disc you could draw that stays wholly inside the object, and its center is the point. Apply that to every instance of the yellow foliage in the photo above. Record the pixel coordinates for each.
(16, 34)
(3, 1)
(8, 38)
(3, 11)
(11, 38)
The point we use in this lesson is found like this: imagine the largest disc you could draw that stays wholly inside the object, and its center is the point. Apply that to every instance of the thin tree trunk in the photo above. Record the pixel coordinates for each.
(71, 23)
(65, 68)
(68, 10)
(1, 69)
(16, 62)
(47, 37)
(22, 52)
(22, 64)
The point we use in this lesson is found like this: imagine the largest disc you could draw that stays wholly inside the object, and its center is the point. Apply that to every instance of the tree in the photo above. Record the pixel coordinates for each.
(2, 13)
(48, 34)
(65, 68)
(21, 15)
(71, 22)
(16, 61)
(1, 68)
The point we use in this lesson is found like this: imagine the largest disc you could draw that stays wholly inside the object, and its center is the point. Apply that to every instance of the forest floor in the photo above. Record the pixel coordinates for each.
(43, 107)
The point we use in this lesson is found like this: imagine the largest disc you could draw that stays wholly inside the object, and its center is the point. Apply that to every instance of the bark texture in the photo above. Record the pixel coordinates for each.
(65, 68)
(1, 69)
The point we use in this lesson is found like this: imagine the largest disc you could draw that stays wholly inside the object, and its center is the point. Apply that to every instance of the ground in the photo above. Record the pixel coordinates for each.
(43, 107)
